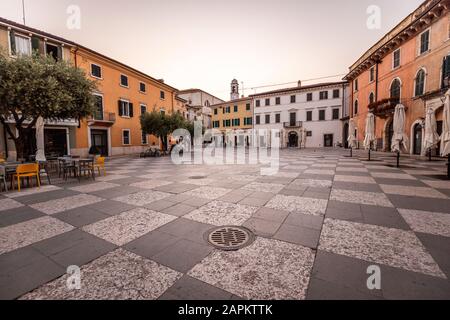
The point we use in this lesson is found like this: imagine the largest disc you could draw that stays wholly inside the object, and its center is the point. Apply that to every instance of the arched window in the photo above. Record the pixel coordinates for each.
(395, 89)
(355, 109)
(371, 98)
(420, 83)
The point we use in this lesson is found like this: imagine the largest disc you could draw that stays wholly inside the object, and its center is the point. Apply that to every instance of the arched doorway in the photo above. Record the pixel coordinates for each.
(293, 139)
(388, 135)
(417, 139)
(346, 129)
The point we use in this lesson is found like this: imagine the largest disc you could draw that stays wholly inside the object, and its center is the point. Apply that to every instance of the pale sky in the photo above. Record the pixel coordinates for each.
(206, 43)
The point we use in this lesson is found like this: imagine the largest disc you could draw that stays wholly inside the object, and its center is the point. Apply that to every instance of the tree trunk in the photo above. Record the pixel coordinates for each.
(20, 147)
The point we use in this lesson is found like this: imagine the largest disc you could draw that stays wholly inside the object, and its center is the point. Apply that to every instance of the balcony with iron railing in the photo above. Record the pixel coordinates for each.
(107, 118)
(293, 124)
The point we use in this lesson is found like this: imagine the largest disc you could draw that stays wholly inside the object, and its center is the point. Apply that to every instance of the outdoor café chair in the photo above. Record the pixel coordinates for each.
(3, 177)
(99, 164)
(86, 166)
(27, 171)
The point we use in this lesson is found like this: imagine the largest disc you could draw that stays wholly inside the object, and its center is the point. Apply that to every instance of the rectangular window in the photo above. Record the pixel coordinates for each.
(258, 119)
(248, 107)
(20, 45)
(162, 95)
(335, 114)
(237, 122)
(258, 103)
(293, 99)
(309, 97)
(277, 118)
(248, 121)
(125, 109)
(143, 109)
(372, 74)
(215, 111)
(235, 108)
(309, 133)
(323, 95)
(98, 111)
(321, 115)
(142, 87)
(228, 109)
(336, 94)
(144, 138)
(228, 123)
(355, 85)
(96, 71)
(124, 80)
(126, 139)
(396, 59)
(278, 101)
(425, 42)
(267, 118)
(308, 115)
(267, 102)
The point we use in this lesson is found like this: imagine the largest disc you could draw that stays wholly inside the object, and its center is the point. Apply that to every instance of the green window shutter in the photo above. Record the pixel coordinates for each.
(131, 110)
(120, 109)
(35, 44)
(12, 40)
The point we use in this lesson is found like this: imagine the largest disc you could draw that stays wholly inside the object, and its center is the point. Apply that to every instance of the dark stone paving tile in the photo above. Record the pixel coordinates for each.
(196, 202)
(183, 255)
(111, 207)
(176, 188)
(316, 195)
(151, 244)
(419, 203)
(264, 228)
(289, 191)
(18, 215)
(439, 248)
(336, 271)
(128, 181)
(271, 214)
(400, 182)
(179, 210)
(383, 216)
(188, 288)
(24, 270)
(74, 248)
(160, 205)
(254, 202)
(186, 229)
(46, 196)
(444, 191)
(116, 192)
(80, 217)
(305, 221)
(319, 289)
(344, 211)
(299, 235)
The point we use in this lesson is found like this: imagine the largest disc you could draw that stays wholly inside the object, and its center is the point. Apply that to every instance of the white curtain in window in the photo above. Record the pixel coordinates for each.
(23, 46)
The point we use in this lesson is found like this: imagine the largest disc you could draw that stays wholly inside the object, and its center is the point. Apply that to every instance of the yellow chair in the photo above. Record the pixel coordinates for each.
(27, 171)
(100, 164)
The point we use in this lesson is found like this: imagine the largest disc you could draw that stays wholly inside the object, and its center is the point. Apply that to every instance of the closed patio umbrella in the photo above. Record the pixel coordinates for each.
(431, 136)
(351, 137)
(445, 137)
(399, 138)
(370, 132)
(303, 141)
(40, 142)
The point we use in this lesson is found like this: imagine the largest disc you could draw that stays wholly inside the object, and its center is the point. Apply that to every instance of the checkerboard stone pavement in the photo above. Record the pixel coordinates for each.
(320, 222)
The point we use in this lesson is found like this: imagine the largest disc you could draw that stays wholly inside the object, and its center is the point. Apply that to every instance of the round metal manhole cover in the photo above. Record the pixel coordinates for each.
(197, 177)
(229, 238)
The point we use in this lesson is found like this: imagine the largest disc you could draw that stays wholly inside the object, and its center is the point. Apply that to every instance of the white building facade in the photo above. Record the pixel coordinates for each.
(306, 116)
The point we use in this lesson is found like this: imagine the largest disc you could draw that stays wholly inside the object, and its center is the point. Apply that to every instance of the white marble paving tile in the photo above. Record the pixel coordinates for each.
(211, 193)
(25, 233)
(427, 222)
(351, 169)
(361, 197)
(320, 172)
(437, 184)
(264, 187)
(7, 204)
(268, 269)
(354, 179)
(98, 186)
(29, 192)
(388, 246)
(313, 183)
(222, 213)
(64, 204)
(412, 191)
(150, 184)
(112, 177)
(128, 226)
(392, 175)
(142, 198)
(298, 204)
(121, 172)
(118, 275)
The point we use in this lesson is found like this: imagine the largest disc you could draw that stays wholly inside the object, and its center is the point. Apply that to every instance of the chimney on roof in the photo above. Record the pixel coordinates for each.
(161, 80)
(299, 83)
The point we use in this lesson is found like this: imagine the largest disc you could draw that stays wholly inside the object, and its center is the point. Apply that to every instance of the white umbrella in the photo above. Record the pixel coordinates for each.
(399, 138)
(40, 141)
(445, 137)
(431, 136)
(351, 136)
(370, 131)
(304, 137)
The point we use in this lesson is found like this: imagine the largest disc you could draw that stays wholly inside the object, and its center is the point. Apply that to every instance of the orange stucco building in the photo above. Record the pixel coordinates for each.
(410, 65)
(123, 94)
